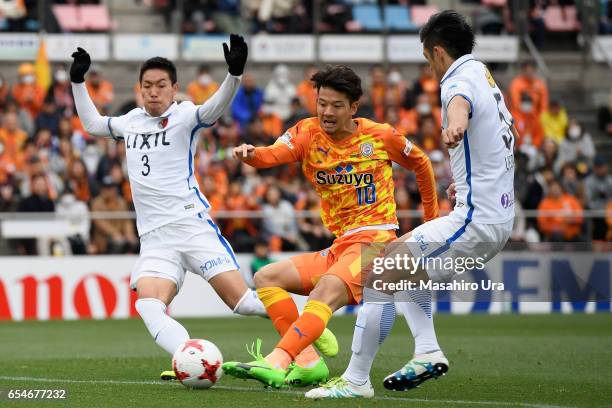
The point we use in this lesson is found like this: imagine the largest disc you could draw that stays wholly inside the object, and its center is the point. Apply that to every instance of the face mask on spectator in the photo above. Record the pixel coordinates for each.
(574, 132)
(526, 107)
(394, 78)
(205, 79)
(28, 79)
(423, 109)
(61, 76)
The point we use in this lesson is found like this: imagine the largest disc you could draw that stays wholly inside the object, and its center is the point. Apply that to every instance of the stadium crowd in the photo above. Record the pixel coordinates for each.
(49, 163)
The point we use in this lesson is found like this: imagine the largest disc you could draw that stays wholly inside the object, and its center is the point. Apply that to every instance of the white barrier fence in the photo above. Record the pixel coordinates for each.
(358, 48)
(97, 287)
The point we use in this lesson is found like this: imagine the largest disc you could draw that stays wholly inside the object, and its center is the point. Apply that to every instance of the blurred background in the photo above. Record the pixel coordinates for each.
(64, 192)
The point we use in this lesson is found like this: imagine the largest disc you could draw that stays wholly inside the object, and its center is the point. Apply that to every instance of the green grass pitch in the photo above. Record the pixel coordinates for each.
(496, 361)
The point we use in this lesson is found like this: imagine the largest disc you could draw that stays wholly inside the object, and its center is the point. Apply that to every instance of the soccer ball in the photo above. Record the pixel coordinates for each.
(197, 363)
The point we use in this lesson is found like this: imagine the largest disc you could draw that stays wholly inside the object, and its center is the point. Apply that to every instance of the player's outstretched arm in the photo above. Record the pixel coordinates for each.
(235, 56)
(411, 157)
(93, 122)
(264, 157)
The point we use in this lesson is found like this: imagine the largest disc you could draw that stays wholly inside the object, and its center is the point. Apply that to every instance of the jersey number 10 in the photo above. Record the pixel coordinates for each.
(366, 194)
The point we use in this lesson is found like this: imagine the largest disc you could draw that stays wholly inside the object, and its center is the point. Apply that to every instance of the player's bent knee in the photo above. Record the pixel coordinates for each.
(332, 291)
(280, 274)
(156, 288)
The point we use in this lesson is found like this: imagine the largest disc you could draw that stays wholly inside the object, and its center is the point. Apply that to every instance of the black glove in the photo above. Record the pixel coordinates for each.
(236, 54)
(80, 65)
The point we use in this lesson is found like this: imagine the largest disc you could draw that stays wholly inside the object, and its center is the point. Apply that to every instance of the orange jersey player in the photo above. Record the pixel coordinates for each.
(348, 161)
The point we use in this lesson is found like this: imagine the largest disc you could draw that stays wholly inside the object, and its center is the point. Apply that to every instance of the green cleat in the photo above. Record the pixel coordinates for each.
(304, 377)
(259, 369)
(167, 376)
(327, 344)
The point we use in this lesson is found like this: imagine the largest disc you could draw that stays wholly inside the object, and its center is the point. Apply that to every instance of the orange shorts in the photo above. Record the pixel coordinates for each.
(344, 259)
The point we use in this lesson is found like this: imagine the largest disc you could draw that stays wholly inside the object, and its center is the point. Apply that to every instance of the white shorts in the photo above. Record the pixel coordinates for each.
(194, 244)
(453, 237)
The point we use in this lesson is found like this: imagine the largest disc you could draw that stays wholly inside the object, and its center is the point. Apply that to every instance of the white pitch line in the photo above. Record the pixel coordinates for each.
(253, 389)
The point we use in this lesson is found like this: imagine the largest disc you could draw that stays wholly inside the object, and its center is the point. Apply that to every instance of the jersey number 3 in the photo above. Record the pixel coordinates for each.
(508, 135)
(145, 163)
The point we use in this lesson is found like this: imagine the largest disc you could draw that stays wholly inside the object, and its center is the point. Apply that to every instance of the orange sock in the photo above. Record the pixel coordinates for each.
(283, 312)
(280, 307)
(306, 329)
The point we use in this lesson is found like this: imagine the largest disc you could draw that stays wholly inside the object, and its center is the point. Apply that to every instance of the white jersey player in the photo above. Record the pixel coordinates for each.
(479, 134)
(175, 230)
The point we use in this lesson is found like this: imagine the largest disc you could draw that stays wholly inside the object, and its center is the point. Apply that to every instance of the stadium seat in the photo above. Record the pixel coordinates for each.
(397, 18)
(94, 17)
(368, 16)
(67, 17)
(556, 21)
(420, 14)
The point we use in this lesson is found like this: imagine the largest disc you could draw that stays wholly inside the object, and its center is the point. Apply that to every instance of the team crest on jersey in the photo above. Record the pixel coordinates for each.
(366, 149)
(286, 139)
(162, 123)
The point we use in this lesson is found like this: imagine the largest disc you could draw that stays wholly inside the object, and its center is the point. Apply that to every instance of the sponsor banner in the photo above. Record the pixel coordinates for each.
(61, 46)
(207, 48)
(494, 48)
(602, 48)
(351, 48)
(408, 48)
(282, 48)
(18, 47)
(97, 287)
(405, 48)
(137, 47)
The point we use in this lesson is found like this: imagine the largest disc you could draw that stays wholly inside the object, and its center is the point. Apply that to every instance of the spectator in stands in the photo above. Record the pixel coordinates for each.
(538, 187)
(604, 116)
(598, 187)
(68, 207)
(62, 92)
(241, 231)
(297, 113)
(49, 117)
(307, 92)
(279, 221)
(379, 89)
(554, 122)
(79, 181)
(412, 118)
(311, 228)
(528, 100)
(4, 92)
(61, 158)
(280, 91)
(425, 83)
(114, 236)
(261, 256)
(247, 102)
(576, 147)
(571, 183)
(117, 174)
(202, 88)
(271, 122)
(442, 171)
(100, 90)
(565, 226)
(9, 199)
(27, 93)
(527, 122)
(365, 109)
(38, 200)
(12, 139)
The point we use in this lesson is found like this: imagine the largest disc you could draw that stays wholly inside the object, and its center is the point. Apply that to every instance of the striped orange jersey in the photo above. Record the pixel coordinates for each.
(352, 176)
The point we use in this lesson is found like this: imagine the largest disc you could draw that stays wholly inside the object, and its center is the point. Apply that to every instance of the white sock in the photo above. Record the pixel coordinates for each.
(374, 322)
(416, 307)
(167, 332)
(249, 304)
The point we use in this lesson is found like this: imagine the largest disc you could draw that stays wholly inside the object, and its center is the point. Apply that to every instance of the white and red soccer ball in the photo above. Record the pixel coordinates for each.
(197, 364)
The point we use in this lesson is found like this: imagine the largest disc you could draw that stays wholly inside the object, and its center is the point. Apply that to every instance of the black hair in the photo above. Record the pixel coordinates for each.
(449, 30)
(159, 63)
(339, 78)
